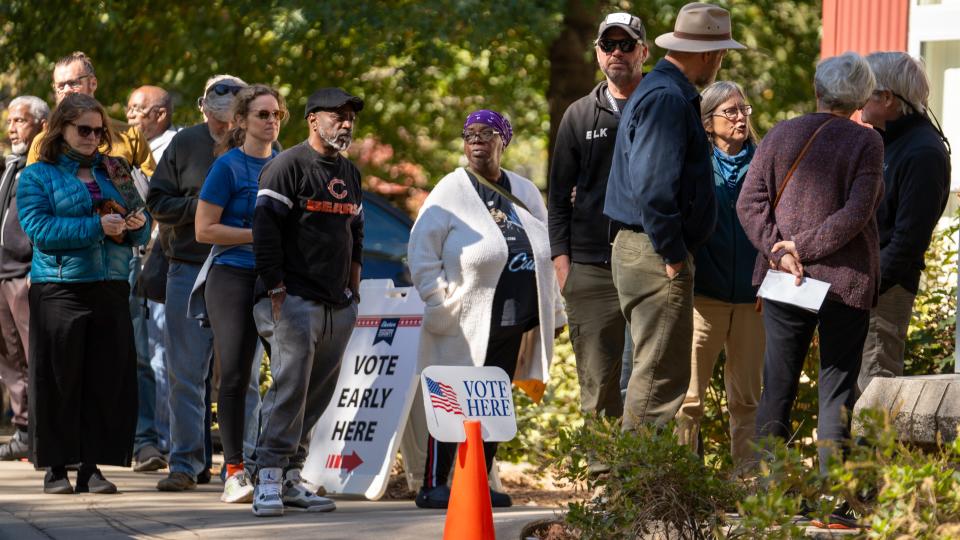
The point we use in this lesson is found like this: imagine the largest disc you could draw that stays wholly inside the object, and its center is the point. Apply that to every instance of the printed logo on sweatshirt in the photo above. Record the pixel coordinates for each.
(337, 188)
(597, 134)
(329, 207)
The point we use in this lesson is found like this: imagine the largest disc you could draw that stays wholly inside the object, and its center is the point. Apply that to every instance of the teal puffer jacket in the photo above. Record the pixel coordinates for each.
(69, 246)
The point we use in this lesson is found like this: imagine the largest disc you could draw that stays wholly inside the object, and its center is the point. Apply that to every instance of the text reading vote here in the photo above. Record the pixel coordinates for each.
(487, 398)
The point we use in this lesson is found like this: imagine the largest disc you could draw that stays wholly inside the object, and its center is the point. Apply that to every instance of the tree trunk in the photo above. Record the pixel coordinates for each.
(573, 64)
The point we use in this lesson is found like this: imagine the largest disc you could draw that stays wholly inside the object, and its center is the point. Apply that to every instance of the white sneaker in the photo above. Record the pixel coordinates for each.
(238, 488)
(296, 496)
(266, 496)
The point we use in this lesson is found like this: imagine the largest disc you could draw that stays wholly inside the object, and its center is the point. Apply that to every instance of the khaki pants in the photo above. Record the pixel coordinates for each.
(737, 329)
(883, 349)
(659, 311)
(597, 332)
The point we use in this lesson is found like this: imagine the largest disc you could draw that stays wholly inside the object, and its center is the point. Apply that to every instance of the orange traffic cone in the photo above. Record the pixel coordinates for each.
(470, 514)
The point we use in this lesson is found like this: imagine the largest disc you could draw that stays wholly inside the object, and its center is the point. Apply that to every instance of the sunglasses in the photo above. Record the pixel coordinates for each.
(610, 45)
(85, 131)
(486, 135)
(265, 115)
(731, 113)
(220, 89)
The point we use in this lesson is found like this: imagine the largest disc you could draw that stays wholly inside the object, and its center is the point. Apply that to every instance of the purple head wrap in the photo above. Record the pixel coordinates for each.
(493, 119)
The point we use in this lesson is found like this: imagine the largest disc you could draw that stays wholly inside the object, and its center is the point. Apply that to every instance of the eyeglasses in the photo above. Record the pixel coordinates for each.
(610, 45)
(265, 115)
(220, 89)
(85, 131)
(136, 111)
(485, 135)
(731, 113)
(73, 84)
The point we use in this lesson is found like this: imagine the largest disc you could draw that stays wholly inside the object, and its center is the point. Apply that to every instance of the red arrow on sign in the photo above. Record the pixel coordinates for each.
(347, 462)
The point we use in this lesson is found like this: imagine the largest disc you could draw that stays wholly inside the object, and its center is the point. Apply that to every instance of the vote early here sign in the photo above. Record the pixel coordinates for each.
(452, 394)
(355, 441)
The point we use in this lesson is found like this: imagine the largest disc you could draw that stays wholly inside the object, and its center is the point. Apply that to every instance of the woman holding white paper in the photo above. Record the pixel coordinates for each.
(724, 317)
(809, 205)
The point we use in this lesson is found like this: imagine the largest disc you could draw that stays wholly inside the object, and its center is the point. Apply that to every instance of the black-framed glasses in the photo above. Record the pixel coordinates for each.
(85, 131)
(732, 113)
(265, 115)
(610, 45)
(485, 135)
(73, 84)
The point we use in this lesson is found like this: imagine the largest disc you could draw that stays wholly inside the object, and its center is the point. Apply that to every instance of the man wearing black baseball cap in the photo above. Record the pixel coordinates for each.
(307, 243)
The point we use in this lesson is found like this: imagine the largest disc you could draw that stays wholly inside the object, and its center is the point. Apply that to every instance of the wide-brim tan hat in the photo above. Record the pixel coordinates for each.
(700, 28)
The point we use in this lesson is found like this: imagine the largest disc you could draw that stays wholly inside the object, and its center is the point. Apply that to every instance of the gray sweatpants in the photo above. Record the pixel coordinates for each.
(306, 348)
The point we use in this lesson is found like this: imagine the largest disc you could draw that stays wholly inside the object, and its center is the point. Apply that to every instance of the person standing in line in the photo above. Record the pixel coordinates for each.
(660, 198)
(225, 219)
(172, 201)
(82, 213)
(724, 311)
(26, 118)
(579, 232)
(916, 177)
(307, 246)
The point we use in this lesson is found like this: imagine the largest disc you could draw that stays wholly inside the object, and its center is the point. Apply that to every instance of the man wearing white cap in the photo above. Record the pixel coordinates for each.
(660, 199)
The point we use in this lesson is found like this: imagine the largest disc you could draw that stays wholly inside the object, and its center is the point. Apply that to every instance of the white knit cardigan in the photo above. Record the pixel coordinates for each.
(456, 254)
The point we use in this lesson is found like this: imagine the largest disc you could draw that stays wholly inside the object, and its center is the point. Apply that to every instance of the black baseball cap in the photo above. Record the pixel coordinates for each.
(332, 98)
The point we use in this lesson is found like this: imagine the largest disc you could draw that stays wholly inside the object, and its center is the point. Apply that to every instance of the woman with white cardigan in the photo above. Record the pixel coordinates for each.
(479, 255)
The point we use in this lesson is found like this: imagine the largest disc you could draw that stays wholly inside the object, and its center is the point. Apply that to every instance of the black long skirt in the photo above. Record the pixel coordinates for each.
(83, 374)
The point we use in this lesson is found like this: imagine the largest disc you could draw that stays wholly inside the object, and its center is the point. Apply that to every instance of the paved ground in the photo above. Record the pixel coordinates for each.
(141, 511)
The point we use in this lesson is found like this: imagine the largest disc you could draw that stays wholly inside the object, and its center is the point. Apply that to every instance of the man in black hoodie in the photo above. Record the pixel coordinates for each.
(916, 178)
(26, 117)
(579, 232)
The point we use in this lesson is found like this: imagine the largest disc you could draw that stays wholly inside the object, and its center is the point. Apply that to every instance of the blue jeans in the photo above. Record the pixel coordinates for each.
(189, 349)
(161, 416)
(147, 434)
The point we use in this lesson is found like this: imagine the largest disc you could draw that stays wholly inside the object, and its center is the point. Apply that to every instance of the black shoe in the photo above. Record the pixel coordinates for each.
(436, 497)
(842, 518)
(177, 481)
(55, 482)
(500, 500)
(93, 482)
(204, 477)
(149, 459)
(16, 448)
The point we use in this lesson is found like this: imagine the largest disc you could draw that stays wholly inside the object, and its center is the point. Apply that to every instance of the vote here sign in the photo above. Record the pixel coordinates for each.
(452, 394)
(355, 441)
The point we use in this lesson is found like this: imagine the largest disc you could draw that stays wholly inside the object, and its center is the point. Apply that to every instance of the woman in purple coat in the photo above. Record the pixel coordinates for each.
(824, 227)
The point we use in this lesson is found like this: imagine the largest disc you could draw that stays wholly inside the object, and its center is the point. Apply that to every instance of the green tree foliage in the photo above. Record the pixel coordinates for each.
(420, 65)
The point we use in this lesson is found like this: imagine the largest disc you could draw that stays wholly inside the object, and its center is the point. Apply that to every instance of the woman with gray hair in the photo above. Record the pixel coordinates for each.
(808, 206)
(724, 317)
(916, 176)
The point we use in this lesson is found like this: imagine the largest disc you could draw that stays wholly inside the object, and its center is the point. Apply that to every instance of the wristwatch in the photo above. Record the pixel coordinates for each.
(278, 290)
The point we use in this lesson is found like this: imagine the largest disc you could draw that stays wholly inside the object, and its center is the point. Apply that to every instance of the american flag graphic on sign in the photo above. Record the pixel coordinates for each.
(443, 397)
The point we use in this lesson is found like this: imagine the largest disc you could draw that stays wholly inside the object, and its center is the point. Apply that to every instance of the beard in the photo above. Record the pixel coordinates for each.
(340, 140)
(625, 76)
(19, 148)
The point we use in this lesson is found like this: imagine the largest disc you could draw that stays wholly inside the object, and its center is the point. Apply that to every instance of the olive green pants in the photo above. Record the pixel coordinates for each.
(659, 311)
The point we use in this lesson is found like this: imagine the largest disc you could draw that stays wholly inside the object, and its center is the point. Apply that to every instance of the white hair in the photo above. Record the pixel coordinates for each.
(903, 75)
(216, 105)
(38, 108)
(844, 82)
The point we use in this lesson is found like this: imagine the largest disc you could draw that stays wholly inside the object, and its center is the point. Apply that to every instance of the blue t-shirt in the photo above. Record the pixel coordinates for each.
(232, 185)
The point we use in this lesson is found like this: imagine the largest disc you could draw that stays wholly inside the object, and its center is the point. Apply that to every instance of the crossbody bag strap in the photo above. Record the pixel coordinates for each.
(498, 188)
(796, 162)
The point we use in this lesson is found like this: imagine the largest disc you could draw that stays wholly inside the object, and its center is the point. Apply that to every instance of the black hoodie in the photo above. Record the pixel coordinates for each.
(581, 158)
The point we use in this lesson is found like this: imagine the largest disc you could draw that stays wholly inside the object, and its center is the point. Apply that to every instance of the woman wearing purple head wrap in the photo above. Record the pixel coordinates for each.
(479, 256)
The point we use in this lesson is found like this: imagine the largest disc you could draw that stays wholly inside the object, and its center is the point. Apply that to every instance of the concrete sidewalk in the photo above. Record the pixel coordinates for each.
(141, 511)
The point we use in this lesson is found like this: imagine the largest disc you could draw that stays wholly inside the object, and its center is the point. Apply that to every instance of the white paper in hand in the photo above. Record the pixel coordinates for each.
(782, 287)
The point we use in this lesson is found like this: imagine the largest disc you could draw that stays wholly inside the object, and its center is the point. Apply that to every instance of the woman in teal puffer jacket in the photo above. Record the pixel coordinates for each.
(83, 215)
(724, 317)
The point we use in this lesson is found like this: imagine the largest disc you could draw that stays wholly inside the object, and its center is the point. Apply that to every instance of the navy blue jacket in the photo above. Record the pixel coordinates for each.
(725, 262)
(661, 179)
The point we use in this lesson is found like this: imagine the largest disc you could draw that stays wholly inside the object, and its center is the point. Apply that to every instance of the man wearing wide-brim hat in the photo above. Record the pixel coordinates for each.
(660, 199)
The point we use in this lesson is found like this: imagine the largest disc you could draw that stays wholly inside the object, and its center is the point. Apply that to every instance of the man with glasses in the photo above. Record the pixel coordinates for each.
(26, 117)
(579, 232)
(172, 201)
(150, 108)
(660, 197)
(74, 74)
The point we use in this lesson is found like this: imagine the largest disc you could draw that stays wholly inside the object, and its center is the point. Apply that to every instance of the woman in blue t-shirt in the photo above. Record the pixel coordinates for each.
(225, 219)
